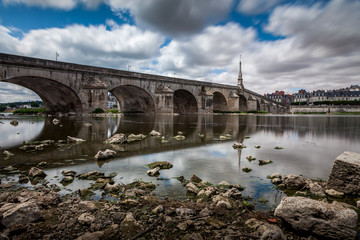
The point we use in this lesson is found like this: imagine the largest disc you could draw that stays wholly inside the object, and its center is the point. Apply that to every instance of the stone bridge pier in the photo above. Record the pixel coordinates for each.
(73, 88)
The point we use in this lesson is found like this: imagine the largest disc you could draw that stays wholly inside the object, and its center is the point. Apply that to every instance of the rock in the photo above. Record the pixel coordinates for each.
(103, 155)
(192, 236)
(7, 153)
(86, 218)
(184, 225)
(224, 204)
(129, 225)
(226, 137)
(154, 133)
(133, 137)
(205, 212)
(316, 189)
(278, 148)
(160, 164)
(250, 158)
(275, 175)
(42, 164)
(56, 121)
(246, 169)
(87, 205)
(118, 138)
(36, 172)
(74, 139)
(91, 236)
(153, 172)
(179, 137)
(68, 173)
(147, 186)
(10, 168)
(265, 230)
(334, 193)
(317, 217)
(214, 222)
(14, 123)
(264, 162)
(195, 179)
(192, 188)
(233, 193)
(20, 213)
(113, 187)
(185, 212)
(276, 181)
(238, 145)
(257, 146)
(345, 174)
(158, 209)
(224, 184)
(67, 180)
(87, 124)
(358, 204)
(207, 192)
(293, 181)
(93, 175)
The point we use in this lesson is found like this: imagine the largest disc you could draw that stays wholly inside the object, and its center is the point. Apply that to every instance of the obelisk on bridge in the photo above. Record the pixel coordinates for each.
(240, 80)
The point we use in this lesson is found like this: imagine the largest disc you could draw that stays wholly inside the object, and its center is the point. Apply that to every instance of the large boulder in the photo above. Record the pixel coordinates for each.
(345, 174)
(20, 213)
(332, 221)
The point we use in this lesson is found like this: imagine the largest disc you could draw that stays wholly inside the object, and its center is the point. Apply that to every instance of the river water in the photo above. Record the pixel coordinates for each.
(309, 145)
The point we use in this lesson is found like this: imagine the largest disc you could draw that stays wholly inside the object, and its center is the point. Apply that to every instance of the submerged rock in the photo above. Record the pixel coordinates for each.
(160, 164)
(293, 181)
(14, 123)
(317, 217)
(68, 173)
(154, 133)
(264, 162)
(118, 138)
(195, 179)
(179, 137)
(153, 172)
(74, 139)
(226, 137)
(7, 153)
(103, 155)
(133, 137)
(238, 145)
(250, 158)
(93, 175)
(55, 121)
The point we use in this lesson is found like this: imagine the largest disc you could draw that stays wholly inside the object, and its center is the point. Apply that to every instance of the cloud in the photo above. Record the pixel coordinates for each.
(14, 93)
(254, 7)
(173, 17)
(59, 4)
(94, 45)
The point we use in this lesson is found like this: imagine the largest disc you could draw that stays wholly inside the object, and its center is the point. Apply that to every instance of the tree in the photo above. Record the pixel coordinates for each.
(2, 108)
(34, 104)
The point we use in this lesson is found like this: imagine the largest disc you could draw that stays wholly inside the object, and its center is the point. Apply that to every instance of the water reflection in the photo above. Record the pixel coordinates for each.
(310, 145)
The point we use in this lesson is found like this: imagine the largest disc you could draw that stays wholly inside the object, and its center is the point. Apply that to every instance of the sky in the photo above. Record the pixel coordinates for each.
(283, 44)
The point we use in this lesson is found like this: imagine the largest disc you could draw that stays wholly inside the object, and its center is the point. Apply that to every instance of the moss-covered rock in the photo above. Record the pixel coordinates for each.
(160, 164)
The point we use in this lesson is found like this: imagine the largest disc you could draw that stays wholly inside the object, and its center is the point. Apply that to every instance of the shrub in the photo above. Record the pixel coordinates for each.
(98, 110)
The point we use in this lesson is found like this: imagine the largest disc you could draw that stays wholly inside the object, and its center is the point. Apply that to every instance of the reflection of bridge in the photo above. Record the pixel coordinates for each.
(66, 87)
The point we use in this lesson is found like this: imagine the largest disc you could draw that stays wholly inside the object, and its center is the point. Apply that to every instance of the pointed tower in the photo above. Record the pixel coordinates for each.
(240, 79)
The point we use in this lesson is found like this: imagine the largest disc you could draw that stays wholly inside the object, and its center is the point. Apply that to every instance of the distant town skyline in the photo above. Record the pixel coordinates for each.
(284, 44)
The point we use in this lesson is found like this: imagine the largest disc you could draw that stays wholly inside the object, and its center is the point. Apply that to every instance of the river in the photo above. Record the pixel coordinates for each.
(309, 145)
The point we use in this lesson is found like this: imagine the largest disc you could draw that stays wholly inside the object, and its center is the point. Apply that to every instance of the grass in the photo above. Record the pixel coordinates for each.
(30, 111)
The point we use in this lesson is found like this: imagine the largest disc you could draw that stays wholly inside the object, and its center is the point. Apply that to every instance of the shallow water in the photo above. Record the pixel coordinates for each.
(310, 145)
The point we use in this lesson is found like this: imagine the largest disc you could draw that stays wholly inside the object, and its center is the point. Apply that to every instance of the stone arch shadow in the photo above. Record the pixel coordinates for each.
(184, 102)
(219, 102)
(57, 97)
(133, 99)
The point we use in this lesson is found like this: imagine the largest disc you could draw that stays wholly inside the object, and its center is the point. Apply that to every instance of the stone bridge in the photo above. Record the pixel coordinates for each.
(73, 88)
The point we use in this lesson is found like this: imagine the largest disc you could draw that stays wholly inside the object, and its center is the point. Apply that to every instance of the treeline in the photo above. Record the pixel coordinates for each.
(12, 105)
(340, 102)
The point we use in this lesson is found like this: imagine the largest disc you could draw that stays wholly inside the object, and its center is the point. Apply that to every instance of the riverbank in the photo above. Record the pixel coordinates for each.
(132, 211)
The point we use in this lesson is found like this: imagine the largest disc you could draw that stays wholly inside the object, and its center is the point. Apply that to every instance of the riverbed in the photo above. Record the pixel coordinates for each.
(306, 145)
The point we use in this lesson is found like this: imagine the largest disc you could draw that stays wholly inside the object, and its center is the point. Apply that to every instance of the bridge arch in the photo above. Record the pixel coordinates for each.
(242, 103)
(133, 99)
(57, 97)
(219, 102)
(184, 102)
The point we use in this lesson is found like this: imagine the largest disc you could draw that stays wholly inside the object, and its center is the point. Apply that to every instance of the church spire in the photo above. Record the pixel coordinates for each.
(240, 79)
